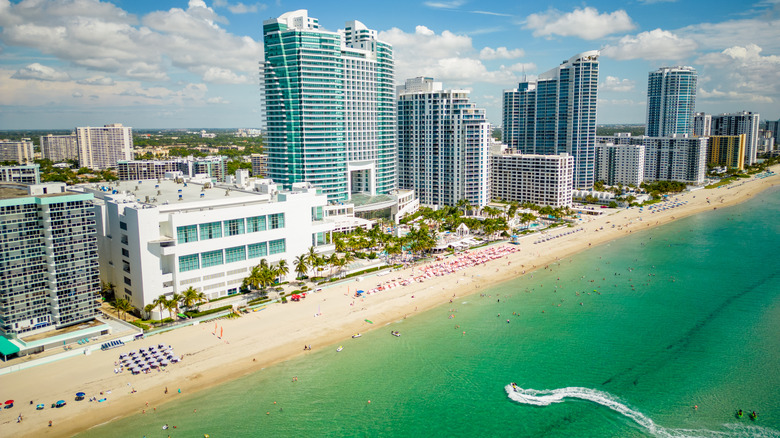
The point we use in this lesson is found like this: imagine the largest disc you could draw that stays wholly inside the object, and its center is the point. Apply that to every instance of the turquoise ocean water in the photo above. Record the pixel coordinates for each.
(686, 314)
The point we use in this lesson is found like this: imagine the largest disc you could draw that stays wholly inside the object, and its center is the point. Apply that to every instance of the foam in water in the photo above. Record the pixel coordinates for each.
(545, 397)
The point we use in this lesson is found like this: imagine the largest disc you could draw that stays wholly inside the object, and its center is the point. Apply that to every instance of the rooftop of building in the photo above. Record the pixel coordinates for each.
(9, 190)
(168, 191)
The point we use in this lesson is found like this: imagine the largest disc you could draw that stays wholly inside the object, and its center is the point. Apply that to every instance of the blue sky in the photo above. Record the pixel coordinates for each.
(179, 63)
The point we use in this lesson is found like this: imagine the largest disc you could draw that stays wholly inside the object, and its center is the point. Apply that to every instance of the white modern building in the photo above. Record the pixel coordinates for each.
(21, 152)
(682, 159)
(702, 125)
(58, 148)
(539, 179)
(160, 238)
(49, 262)
(23, 174)
(744, 122)
(443, 144)
(620, 164)
(102, 148)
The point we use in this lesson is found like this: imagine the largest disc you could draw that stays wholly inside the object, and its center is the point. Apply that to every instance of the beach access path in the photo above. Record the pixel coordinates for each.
(279, 332)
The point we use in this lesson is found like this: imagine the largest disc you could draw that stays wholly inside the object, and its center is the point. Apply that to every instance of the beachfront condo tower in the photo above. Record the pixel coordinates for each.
(671, 99)
(329, 107)
(49, 263)
(101, 148)
(556, 113)
(743, 122)
(443, 144)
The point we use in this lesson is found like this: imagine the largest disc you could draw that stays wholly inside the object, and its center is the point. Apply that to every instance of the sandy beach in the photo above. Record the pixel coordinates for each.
(280, 331)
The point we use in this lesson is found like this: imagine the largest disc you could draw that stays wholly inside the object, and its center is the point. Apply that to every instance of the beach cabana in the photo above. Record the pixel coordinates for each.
(39, 406)
(9, 404)
(60, 403)
(80, 396)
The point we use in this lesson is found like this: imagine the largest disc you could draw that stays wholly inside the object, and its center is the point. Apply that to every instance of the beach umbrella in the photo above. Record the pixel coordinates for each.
(80, 394)
(60, 403)
(163, 362)
(9, 402)
(175, 359)
(39, 406)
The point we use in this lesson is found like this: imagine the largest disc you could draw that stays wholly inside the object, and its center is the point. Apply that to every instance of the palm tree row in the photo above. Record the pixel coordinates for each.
(311, 259)
(264, 275)
(190, 298)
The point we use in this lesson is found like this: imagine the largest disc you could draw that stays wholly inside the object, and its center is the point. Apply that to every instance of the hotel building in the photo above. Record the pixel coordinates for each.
(556, 113)
(214, 167)
(443, 144)
(329, 104)
(102, 148)
(17, 151)
(49, 262)
(727, 150)
(743, 122)
(539, 179)
(620, 164)
(58, 148)
(671, 100)
(702, 125)
(160, 238)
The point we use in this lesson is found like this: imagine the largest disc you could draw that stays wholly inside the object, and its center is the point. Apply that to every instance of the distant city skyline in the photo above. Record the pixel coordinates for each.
(178, 64)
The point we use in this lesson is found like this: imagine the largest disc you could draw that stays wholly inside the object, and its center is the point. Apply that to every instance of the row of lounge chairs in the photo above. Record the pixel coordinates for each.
(112, 344)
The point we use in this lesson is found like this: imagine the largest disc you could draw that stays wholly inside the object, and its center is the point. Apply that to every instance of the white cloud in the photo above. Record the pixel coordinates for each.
(584, 23)
(96, 80)
(488, 53)
(240, 8)
(741, 72)
(77, 94)
(224, 76)
(522, 67)
(452, 4)
(653, 45)
(715, 36)
(41, 73)
(612, 83)
(217, 100)
(447, 57)
(94, 35)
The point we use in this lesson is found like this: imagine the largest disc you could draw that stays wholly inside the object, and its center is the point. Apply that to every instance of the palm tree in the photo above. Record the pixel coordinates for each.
(175, 299)
(160, 301)
(333, 260)
(122, 306)
(282, 269)
(318, 263)
(301, 265)
(192, 297)
(148, 310)
(312, 255)
(340, 245)
(170, 306)
(340, 263)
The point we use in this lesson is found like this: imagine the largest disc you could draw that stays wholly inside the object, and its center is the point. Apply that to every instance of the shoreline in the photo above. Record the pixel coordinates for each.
(261, 339)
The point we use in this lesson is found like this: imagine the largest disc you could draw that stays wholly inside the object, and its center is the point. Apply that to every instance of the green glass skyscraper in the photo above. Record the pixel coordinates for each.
(329, 103)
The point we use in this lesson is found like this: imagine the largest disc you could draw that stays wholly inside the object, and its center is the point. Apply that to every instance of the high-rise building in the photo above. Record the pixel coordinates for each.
(556, 113)
(58, 148)
(727, 150)
(620, 163)
(259, 165)
(101, 148)
(671, 100)
(744, 122)
(190, 166)
(23, 174)
(443, 144)
(774, 127)
(49, 263)
(702, 124)
(329, 103)
(21, 152)
(539, 179)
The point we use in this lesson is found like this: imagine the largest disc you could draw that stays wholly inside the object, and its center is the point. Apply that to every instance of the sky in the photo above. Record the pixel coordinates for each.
(194, 64)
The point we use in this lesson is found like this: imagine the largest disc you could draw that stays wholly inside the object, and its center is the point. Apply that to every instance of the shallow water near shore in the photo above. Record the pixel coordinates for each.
(620, 340)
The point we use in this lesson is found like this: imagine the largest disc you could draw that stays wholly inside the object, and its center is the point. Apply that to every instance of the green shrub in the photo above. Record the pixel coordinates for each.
(142, 326)
(192, 314)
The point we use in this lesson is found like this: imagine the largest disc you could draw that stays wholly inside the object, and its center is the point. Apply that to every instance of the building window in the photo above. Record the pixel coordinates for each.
(128, 292)
(276, 220)
(187, 233)
(188, 263)
(254, 224)
(316, 213)
(123, 225)
(211, 258)
(256, 250)
(212, 230)
(125, 253)
(235, 254)
(276, 246)
(234, 227)
(128, 282)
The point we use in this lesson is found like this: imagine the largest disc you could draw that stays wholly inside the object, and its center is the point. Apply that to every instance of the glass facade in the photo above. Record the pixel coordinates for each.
(211, 258)
(212, 230)
(671, 101)
(276, 246)
(188, 263)
(187, 233)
